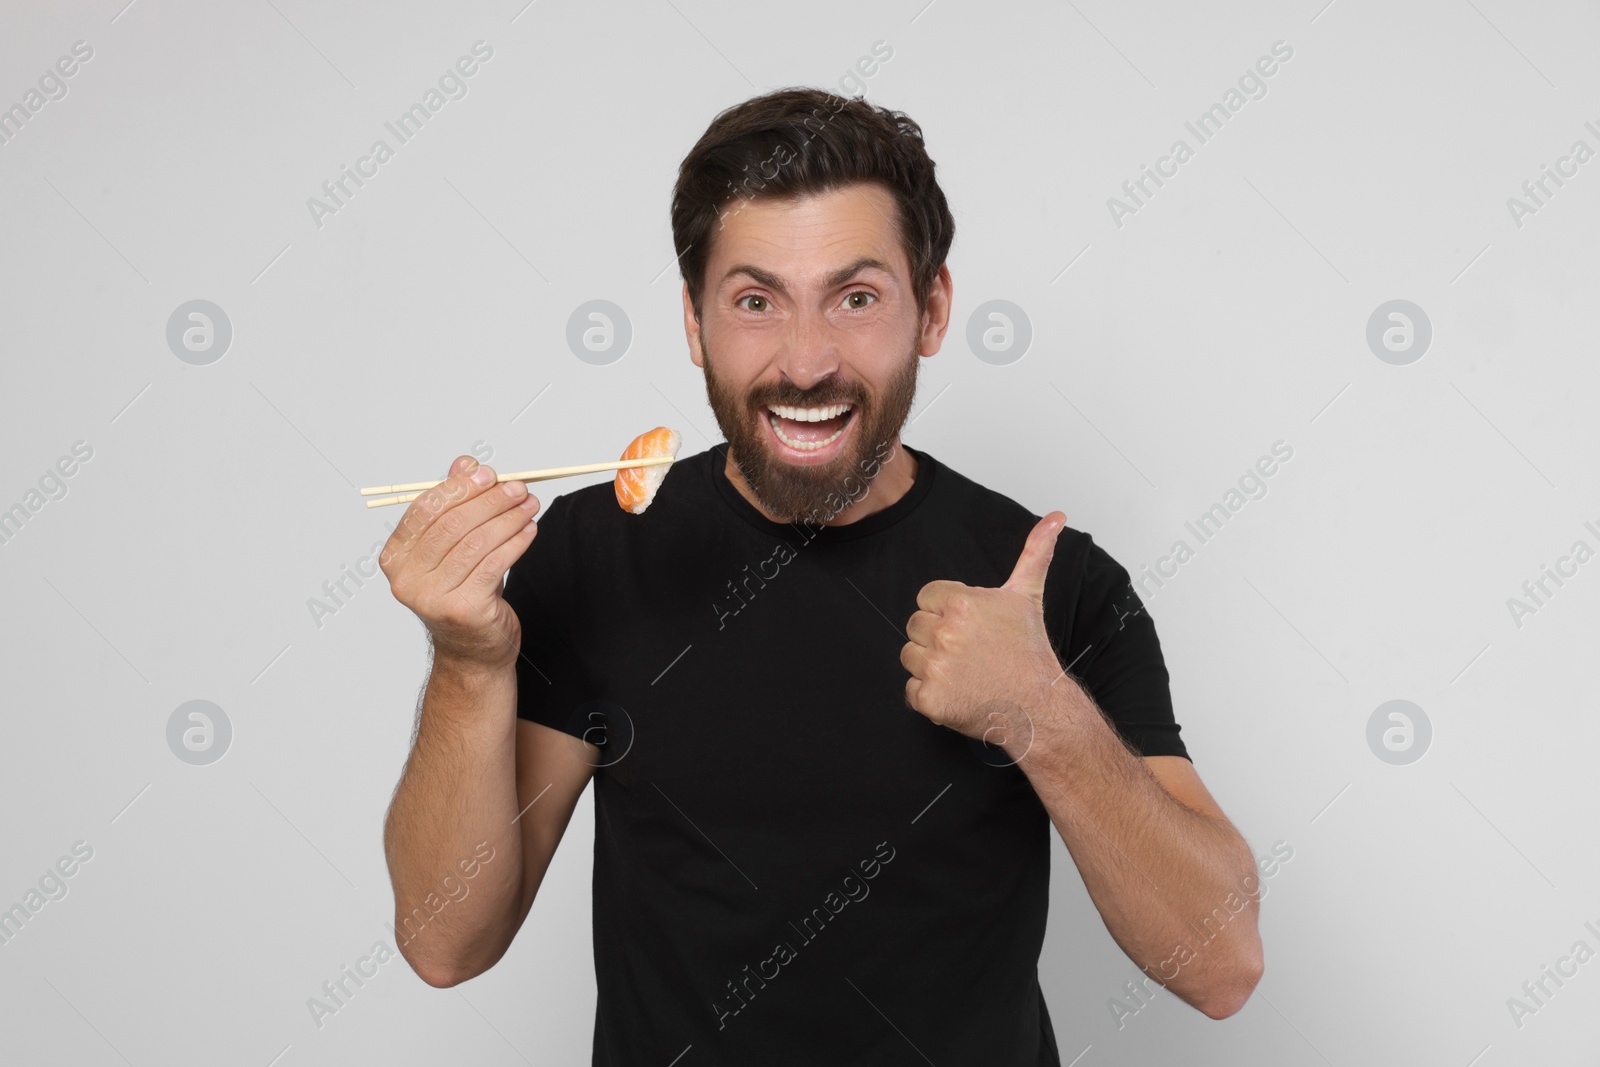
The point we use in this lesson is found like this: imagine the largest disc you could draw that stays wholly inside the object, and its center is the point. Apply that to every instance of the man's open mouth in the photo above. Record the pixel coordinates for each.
(808, 429)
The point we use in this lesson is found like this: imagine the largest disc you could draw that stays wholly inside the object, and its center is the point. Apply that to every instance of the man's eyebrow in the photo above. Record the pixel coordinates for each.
(838, 277)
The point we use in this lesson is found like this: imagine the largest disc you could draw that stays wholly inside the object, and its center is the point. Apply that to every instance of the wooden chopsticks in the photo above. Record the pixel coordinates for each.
(411, 490)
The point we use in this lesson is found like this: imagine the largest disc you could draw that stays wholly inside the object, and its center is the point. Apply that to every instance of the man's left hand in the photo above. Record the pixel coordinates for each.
(980, 658)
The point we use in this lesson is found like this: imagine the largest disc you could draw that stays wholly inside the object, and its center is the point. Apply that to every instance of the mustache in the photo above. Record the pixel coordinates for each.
(808, 400)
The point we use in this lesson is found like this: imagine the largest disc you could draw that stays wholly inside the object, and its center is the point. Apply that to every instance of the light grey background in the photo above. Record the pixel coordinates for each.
(427, 318)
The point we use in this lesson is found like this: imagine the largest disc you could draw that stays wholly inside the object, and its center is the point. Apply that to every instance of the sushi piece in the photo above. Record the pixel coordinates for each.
(636, 486)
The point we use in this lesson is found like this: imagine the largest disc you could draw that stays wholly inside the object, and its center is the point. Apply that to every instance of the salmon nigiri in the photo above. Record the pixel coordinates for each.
(636, 486)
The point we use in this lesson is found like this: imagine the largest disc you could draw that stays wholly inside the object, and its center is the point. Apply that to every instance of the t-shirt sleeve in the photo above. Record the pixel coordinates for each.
(540, 587)
(1110, 647)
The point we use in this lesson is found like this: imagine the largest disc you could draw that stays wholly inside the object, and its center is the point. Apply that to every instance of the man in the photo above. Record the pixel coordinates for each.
(832, 694)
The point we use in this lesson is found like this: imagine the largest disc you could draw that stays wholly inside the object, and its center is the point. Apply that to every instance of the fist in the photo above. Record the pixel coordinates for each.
(972, 650)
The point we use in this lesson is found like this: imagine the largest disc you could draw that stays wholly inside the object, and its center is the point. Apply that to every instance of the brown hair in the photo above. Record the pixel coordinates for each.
(798, 142)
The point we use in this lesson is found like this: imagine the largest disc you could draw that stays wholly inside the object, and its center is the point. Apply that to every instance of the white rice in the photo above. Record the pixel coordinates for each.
(653, 476)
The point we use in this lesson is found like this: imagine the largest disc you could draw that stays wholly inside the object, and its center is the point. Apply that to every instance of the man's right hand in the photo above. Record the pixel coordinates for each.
(447, 558)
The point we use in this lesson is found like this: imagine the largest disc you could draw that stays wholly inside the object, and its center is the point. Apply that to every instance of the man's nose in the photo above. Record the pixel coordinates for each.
(810, 349)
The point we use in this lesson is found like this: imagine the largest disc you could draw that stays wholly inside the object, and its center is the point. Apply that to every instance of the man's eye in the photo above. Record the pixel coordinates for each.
(761, 299)
(861, 293)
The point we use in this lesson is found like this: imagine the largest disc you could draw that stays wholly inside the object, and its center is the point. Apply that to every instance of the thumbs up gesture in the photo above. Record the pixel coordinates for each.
(972, 650)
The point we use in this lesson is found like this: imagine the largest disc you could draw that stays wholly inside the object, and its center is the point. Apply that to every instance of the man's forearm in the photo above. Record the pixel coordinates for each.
(457, 791)
(1176, 888)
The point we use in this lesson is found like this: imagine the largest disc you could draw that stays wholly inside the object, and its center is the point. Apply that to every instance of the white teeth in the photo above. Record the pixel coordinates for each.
(808, 414)
(802, 446)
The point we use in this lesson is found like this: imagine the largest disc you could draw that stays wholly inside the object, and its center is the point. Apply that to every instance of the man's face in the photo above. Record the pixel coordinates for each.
(809, 340)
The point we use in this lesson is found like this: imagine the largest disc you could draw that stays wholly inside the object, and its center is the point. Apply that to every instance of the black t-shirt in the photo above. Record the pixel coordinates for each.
(791, 865)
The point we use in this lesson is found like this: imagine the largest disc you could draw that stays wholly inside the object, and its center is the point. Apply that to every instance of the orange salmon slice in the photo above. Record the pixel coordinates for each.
(636, 486)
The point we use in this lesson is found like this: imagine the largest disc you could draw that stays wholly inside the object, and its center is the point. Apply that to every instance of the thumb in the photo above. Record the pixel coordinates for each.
(1028, 575)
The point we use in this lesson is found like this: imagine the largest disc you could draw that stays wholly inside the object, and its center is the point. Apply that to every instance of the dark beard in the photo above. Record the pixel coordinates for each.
(815, 494)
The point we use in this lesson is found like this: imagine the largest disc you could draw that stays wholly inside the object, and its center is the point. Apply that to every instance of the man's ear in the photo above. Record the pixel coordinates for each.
(936, 319)
(691, 330)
